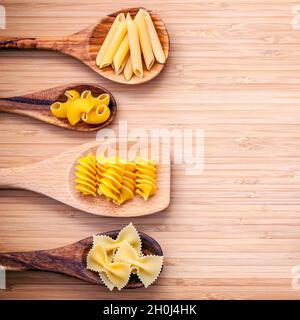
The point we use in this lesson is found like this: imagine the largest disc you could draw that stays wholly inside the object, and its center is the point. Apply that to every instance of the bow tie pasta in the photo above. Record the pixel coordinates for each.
(116, 259)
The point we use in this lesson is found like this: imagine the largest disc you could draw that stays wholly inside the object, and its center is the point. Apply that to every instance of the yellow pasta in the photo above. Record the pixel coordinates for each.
(147, 268)
(122, 52)
(99, 114)
(144, 39)
(120, 17)
(129, 234)
(86, 182)
(128, 72)
(135, 50)
(146, 179)
(77, 107)
(59, 109)
(114, 45)
(115, 259)
(85, 107)
(118, 181)
(115, 184)
(117, 273)
(128, 43)
(154, 39)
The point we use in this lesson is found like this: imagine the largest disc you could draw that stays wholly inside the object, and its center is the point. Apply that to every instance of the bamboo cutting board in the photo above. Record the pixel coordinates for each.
(233, 71)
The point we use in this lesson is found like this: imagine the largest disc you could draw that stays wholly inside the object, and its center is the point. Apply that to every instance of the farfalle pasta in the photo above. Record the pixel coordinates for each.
(82, 107)
(129, 234)
(116, 259)
(147, 267)
(118, 181)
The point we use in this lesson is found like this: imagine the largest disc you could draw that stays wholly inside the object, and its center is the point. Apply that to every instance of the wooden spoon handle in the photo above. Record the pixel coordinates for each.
(17, 261)
(25, 106)
(16, 178)
(66, 260)
(32, 43)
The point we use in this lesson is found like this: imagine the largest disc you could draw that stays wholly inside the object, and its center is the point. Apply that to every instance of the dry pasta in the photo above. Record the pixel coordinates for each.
(146, 179)
(118, 181)
(114, 45)
(155, 42)
(128, 43)
(107, 40)
(84, 107)
(86, 182)
(135, 50)
(115, 259)
(144, 39)
(147, 268)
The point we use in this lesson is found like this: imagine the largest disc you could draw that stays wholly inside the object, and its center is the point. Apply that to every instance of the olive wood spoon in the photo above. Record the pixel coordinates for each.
(71, 259)
(84, 45)
(37, 105)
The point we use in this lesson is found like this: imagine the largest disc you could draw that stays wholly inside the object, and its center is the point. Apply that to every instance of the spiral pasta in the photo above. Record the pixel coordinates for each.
(86, 179)
(84, 106)
(117, 183)
(117, 180)
(146, 179)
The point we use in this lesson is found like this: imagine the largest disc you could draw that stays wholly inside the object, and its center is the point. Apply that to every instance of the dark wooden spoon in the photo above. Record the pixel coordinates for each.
(85, 45)
(71, 260)
(37, 105)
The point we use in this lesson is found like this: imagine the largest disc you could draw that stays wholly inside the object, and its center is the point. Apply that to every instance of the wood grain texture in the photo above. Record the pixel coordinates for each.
(71, 260)
(84, 45)
(37, 105)
(233, 71)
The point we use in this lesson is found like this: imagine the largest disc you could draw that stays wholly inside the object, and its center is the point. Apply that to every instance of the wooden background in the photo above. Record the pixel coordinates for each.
(234, 231)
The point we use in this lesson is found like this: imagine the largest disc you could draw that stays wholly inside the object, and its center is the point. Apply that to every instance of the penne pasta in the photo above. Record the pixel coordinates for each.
(120, 17)
(128, 69)
(122, 67)
(114, 45)
(121, 54)
(144, 40)
(122, 51)
(135, 49)
(154, 39)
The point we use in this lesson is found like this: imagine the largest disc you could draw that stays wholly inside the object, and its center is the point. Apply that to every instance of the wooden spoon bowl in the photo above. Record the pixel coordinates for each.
(84, 45)
(54, 177)
(71, 259)
(37, 105)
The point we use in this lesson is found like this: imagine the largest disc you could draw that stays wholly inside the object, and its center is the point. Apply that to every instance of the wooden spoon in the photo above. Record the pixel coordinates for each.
(85, 45)
(71, 259)
(37, 105)
(54, 177)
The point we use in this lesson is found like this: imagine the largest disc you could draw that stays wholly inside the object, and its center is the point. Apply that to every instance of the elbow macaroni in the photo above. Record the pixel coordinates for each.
(84, 106)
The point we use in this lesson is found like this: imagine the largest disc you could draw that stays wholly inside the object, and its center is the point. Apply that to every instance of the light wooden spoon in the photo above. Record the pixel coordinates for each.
(54, 177)
(37, 105)
(71, 259)
(85, 45)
